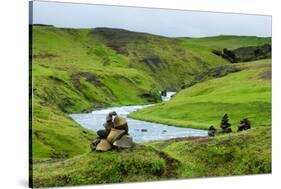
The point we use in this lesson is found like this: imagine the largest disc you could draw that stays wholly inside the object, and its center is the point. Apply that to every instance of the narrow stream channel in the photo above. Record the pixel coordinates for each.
(140, 130)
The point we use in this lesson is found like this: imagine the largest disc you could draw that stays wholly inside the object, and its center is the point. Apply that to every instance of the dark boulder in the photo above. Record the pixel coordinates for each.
(94, 143)
(125, 141)
(212, 131)
(227, 130)
(244, 125)
(225, 125)
(102, 133)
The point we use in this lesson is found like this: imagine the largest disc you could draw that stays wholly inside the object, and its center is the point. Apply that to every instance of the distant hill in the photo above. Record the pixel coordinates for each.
(227, 41)
(245, 54)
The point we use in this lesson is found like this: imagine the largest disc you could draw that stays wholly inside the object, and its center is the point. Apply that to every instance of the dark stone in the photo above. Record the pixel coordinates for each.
(212, 131)
(227, 130)
(143, 130)
(108, 126)
(102, 133)
(225, 125)
(110, 115)
(124, 142)
(103, 146)
(244, 125)
(95, 143)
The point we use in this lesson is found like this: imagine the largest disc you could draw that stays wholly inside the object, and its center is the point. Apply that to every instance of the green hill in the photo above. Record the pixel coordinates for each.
(246, 92)
(227, 41)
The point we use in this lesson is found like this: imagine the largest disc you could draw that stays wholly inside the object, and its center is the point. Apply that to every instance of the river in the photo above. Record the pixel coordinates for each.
(141, 131)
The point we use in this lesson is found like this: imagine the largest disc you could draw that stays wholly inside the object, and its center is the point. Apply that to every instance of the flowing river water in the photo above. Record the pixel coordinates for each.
(140, 130)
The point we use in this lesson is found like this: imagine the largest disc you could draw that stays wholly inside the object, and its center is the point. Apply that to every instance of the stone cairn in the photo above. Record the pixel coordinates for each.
(212, 131)
(244, 125)
(114, 134)
(225, 125)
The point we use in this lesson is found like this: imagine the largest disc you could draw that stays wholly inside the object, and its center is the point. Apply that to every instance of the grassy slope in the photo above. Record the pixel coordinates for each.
(170, 62)
(247, 152)
(140, 164)
(66, 78)
(242, 153)
(77, 69)
(246, 93)
(227, 41)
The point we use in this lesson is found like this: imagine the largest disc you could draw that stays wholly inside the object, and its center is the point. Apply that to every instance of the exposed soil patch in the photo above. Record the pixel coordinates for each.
(191, 138)
(90, 77)
(57, 79)
(211, 73)
(118, 39)
(153, 62)
(266, 75)
(44, 55)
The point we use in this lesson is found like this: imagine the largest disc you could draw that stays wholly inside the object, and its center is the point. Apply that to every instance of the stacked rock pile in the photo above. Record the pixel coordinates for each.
(212, 131)
(115, 134)
(225, 125)
(244, 124)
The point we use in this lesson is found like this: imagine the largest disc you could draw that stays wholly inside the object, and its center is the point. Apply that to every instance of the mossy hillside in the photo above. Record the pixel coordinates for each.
(165, 59)
(56, 93)
(245, 93)
(66, 79)
(55, 135)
